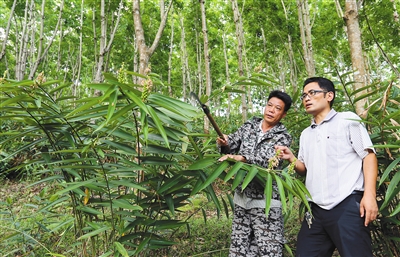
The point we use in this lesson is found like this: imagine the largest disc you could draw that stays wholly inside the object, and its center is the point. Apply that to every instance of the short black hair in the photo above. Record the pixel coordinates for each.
(283, 96)
(324, 84)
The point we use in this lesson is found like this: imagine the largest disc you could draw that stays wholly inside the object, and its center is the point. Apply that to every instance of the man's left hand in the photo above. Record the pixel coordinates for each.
(239, 158)
(369, 209)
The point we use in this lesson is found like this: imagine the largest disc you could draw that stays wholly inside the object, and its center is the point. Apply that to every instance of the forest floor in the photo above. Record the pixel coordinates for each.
(19, 202)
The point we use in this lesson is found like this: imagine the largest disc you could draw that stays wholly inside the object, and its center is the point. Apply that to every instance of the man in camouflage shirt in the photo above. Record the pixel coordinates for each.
(254, 234)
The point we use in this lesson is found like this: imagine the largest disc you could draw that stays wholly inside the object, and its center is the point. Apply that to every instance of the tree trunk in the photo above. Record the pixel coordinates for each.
(357, 57)
(23, 51)
(199, 64)
(207, 59)
(293, 70)
(305, 33)
(146, 52)
(77, 79)
(185, 62)
(171, 48)
(105, 45)
(228, 79)
(4, 45)
(40, 57)
(240, 38)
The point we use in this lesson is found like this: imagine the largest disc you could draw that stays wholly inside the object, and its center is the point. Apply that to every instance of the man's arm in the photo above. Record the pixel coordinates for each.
(368, 204)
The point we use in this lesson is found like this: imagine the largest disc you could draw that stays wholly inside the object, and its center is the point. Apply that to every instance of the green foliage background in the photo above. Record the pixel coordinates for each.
(123, 166)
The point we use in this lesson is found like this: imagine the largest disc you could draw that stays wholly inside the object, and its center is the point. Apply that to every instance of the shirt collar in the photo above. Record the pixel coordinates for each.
(327, 118)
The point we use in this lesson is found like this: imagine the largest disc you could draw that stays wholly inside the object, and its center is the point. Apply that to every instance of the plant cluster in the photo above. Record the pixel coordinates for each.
(123, 164)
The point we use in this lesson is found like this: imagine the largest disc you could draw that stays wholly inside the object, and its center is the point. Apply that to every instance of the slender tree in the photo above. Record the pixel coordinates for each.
(228, 77)
(22, 51)
(207, 58)
(105, 40)
(7, 32)
(145, 52)
(356, 52)
(305, 32)
(171, 51)
(240, 45)
(42, 53)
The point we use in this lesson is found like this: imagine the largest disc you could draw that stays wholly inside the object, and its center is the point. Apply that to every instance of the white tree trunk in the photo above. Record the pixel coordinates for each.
(305, 33)
(356, 52)
(228, 78)
(207, 59)
(240, 37)
(4, 45)
(171, 48)
(41, 54)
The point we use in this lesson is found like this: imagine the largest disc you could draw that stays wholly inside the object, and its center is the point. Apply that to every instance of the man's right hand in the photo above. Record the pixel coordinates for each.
(222, 141)
(285, 153)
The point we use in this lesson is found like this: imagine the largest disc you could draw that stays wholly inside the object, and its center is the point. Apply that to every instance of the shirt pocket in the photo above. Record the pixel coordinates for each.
(338, 143)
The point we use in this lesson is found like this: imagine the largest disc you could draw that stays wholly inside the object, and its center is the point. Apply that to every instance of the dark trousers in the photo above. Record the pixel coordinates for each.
(341, 228)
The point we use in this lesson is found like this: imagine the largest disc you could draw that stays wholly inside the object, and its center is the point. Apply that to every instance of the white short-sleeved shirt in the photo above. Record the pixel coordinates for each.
(333, 153)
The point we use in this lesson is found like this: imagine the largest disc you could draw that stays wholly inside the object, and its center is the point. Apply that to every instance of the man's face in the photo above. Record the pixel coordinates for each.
(315, 99)
(274, 111)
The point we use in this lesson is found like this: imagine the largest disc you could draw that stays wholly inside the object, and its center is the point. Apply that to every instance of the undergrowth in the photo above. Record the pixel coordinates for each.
(28, 230)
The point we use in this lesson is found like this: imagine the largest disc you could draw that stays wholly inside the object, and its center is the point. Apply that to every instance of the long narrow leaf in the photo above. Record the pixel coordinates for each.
(281, 190)
(268, 193)
(215, 174)
(202, 164)
(94, 233)
(158, 124)
(238, 178)
(388, 171)
(121, 249)
(233, 170)
(392, 190)
(250, 175)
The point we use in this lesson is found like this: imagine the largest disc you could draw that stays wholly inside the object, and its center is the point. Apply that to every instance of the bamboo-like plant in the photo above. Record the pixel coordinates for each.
(123, 162)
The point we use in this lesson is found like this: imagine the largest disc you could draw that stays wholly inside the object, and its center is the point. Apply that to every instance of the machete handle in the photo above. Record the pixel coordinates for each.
(215, 126)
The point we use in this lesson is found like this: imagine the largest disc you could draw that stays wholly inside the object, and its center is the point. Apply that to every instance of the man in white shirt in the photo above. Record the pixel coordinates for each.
(340, 166)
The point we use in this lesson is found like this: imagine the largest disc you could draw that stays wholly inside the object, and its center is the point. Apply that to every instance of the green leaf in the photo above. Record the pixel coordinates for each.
(388, 171)
(120, 147)
(121, 249)
(250, 175)
(158, 124)
(94, 233)
(202, 164)
(268, 193)
(112, 103)
(215, 174)
(238, 178)
(90, 210)
(237, 166)
(170, 203)
(121, 203)
(281, 190)
(137, 101)
(392, 190)
(13, 100)
(169, 183)
(395, 211)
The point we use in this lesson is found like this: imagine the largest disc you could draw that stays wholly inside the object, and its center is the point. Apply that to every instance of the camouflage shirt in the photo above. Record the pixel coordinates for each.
(257, 148)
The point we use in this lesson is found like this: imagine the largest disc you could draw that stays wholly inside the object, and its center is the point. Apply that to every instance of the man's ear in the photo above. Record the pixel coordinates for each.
(330, 96)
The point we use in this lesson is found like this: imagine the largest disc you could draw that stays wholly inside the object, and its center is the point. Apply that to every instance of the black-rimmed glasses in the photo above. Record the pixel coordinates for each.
(311, 93)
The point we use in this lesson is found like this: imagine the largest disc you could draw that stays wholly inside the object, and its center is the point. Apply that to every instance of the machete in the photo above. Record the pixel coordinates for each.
(208, 114)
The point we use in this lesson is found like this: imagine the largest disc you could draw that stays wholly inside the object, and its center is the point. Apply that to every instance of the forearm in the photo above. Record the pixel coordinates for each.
(299, 167)
(370, 169)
